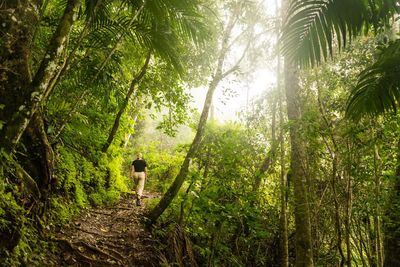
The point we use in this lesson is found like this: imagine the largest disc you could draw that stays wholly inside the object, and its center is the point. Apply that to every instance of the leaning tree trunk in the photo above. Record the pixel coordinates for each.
(131, 90)
(31, 95)
(304, 253)
(156, 212)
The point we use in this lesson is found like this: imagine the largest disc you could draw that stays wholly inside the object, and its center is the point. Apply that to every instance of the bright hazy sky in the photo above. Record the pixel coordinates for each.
(225, 107)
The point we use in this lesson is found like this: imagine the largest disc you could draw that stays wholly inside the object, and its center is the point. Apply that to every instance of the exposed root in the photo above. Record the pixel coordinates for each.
(120, 208)
(108, 236)
(93, 233)
(102, 213)
(74, 246)
(96, 261)
(118, 255)
(96, 249)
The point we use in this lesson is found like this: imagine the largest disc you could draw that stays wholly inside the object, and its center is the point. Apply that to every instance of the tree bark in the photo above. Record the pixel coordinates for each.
(284, 242)
(304, 253)
(41, 165)
(19, 20)
(337, 212)
(131, 90)
(347, 219)
(33, 94)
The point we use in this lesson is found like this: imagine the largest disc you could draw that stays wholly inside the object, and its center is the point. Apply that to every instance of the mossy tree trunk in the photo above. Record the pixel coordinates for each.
(304, 253)
(29, 94)
(41, 165)
(22, 94)
(18, 22)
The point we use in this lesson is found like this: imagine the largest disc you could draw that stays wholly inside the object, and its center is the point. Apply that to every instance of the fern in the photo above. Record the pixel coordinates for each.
(312, 26)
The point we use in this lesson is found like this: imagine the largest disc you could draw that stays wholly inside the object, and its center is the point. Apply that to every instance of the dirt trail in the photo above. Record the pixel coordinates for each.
(107, 236)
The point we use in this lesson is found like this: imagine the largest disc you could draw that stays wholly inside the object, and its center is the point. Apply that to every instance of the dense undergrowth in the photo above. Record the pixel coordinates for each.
(83, 178)
(217, 219)
(25, 224)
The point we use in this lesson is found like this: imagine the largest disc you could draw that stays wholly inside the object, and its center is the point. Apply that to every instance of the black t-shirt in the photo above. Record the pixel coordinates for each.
(139, 165)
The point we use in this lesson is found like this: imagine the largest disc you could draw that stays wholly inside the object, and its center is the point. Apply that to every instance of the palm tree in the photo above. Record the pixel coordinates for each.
(314, 28)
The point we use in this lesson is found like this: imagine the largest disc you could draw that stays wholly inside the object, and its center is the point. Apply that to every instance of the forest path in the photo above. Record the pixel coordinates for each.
(107, 236)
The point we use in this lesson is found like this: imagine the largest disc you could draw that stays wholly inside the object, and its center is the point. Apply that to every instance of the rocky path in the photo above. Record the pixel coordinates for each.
(107, 236)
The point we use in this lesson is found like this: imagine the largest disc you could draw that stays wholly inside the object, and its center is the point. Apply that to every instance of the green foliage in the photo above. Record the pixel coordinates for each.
(220, 218)
(378, 88)
(79, 179)
(19, 239)
(311, 27)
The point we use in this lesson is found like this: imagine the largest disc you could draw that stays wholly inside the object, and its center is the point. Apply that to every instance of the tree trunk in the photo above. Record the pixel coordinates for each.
(156, 212)
(347, 220)
(392, 221)
(19, 19)
(304, 253)
(338, 224)
(377, 219)
(180, 178)
(131, 90)
(40, 162)
(33, 94)
(284, 243)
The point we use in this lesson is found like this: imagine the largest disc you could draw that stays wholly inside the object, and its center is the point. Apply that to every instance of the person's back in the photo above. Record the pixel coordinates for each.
(139, 174)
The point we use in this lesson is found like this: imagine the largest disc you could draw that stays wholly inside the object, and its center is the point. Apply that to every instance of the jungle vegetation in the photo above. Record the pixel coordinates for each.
(307, 175)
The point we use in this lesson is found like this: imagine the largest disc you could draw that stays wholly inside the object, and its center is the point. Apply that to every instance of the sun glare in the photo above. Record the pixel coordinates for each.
(234, 94)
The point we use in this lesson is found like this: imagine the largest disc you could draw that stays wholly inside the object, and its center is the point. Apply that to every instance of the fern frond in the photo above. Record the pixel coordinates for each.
(312, 26)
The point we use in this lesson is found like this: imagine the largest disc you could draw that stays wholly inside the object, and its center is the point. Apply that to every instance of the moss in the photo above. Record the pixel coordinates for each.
(117, 179)
(61, 210)
(65, 171)
(19, 240)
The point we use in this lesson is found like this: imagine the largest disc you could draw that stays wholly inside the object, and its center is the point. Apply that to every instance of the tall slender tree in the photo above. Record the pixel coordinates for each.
(218, 75)
(304, 253)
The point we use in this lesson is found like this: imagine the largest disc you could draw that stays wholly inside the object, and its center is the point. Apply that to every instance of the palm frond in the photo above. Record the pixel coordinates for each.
(378, 87)
(312, 26)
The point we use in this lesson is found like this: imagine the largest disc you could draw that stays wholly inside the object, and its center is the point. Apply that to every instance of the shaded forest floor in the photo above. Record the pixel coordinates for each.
(107, 236)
